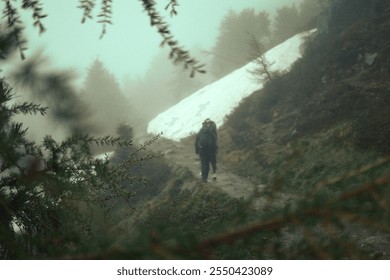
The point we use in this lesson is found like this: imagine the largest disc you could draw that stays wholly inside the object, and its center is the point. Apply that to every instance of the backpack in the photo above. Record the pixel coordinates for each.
(207, 138)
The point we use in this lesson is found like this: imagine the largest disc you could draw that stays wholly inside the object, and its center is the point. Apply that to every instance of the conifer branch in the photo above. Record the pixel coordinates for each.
(105, 15)
(262, 72)
(5, 92)
(172, 4)
(99, 141)
(37, 14)
(177, 53)
(16, 132)
(132, 160)
(28, 108)
(87, 7)
(15, 25)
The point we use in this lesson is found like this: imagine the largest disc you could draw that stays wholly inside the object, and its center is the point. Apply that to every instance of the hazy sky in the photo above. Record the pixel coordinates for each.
(130, 43)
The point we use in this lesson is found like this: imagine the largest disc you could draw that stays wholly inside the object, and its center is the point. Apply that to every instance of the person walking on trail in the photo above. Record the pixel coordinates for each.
(206, 147)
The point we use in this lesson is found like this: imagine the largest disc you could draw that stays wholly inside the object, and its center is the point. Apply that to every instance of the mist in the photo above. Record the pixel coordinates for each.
(286, 101)
(96, 101)
(35, 81)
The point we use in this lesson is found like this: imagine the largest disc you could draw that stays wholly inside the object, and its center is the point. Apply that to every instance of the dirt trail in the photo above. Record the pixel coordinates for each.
(183, 154)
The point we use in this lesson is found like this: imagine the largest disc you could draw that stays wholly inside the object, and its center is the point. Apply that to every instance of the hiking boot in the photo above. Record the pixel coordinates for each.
(214, 177)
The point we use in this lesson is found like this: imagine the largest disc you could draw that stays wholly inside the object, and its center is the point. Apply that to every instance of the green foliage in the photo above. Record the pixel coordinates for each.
(171, 226)
(332, 221)
(15, 24)
(148, 179)
(327, 201)
(322, 153)
(47, 191)
(372, 131)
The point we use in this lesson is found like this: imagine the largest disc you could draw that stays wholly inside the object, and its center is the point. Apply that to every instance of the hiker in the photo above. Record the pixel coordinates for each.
(206, 147)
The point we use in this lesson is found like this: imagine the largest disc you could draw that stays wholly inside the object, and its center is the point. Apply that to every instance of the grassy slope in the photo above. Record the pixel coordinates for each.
(321, 134)
(329, 115)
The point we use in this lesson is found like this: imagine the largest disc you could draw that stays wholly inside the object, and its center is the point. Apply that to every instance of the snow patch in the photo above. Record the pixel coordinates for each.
(219, 99)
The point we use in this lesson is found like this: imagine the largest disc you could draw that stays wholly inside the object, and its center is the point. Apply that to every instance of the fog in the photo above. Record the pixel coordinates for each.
(55, 73)
(130, 43)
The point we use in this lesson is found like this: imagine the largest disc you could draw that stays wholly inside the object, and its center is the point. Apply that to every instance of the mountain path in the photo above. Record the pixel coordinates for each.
(183, 154)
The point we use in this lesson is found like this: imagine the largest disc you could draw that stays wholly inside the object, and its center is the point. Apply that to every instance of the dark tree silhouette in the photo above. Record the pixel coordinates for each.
(51, 191)
(108, 107)
(286, 23)
(232, 49)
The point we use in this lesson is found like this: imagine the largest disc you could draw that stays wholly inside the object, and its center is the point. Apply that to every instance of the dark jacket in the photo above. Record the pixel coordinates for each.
(211, 132)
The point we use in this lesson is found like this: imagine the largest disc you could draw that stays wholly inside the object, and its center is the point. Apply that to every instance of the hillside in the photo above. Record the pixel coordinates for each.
(218, 99)
(313, 147)
(303, 162)
(324, 127)
(336, 96)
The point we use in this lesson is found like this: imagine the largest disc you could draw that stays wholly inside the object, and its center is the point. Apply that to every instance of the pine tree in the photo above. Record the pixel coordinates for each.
(262, 72)
(46, 189)
(286, 23)
(107, 105)
(51, 191)
(232, 49)
(309, 9)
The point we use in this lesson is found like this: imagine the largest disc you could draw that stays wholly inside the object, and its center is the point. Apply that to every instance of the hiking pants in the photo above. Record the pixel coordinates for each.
(207, 158)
